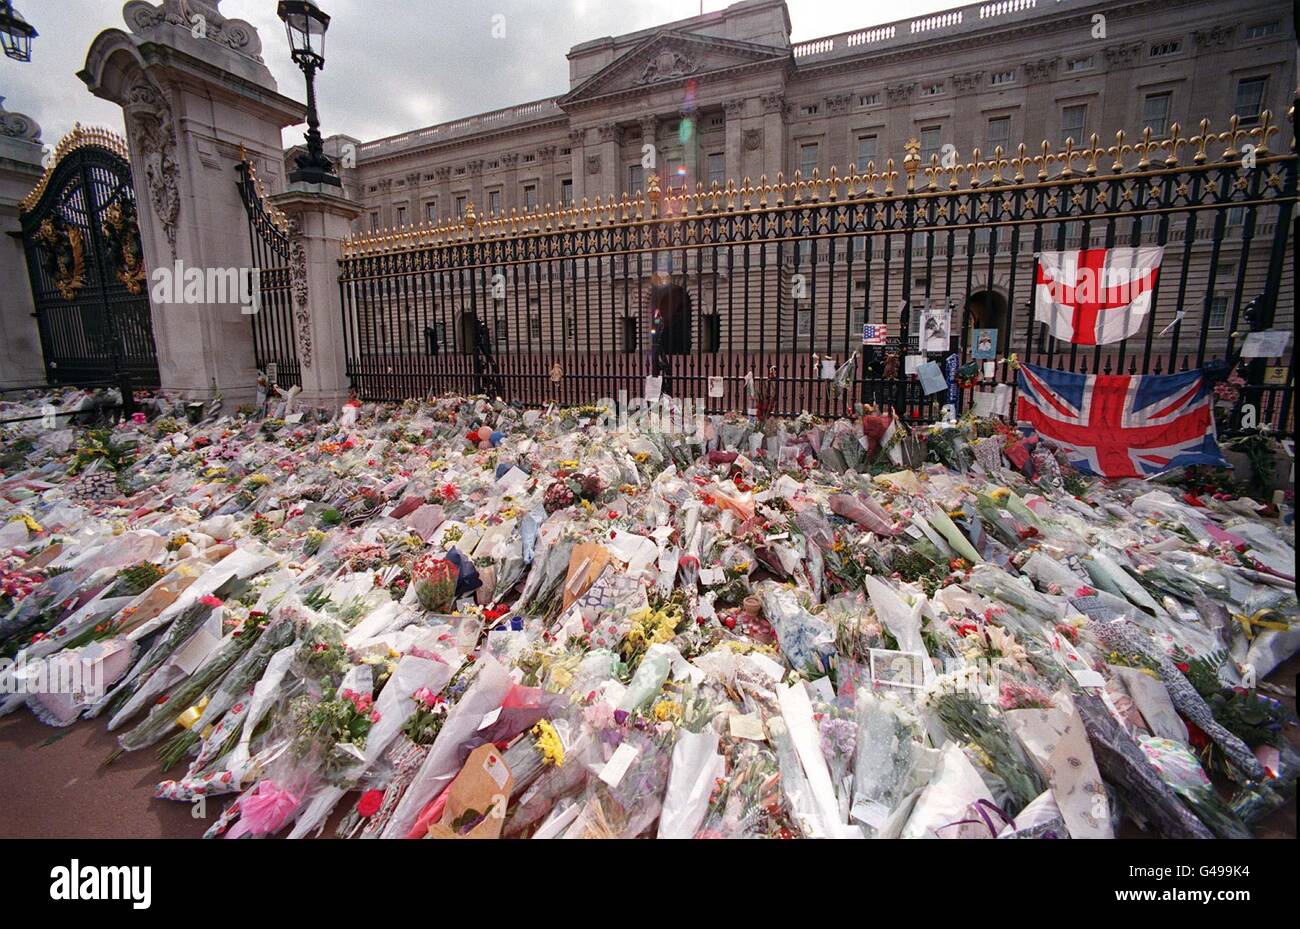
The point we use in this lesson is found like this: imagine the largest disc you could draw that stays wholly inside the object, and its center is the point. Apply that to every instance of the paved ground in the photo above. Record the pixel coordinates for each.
(52, 785)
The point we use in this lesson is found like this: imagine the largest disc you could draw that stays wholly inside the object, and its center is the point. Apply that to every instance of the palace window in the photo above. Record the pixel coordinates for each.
(717, 121)
(529, 158)
(808, 109)
(1219, 311)
(717, 169)
(869, 99)
(530, 196)
(1165, 49)
(1249, 100)
(460, 205)
(431, 211)
(535, 325)
(932, 90)
(1155, 114)
(1074, 120)
(807, 158)
(1262, 30)
(868, 150)
(1085, 63)
(566, 191)
(401, 216)
(999, 78)
(566, 151)
(930, 143)
(635, 179)
(374, 221)
(999, 133)
(494, 201)
(460, 171)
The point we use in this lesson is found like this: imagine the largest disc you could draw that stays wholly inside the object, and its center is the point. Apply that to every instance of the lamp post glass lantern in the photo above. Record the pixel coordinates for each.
(16, 33)
(306, 24)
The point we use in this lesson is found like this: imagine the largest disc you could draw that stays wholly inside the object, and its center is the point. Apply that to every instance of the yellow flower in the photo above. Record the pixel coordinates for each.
(1000, 494)
(641, 457)
(31, 524)
(668, 711)
(549, 743)
(569, 464)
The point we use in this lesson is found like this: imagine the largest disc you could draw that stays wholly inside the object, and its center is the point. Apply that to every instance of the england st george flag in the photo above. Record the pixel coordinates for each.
(1122, 425)
(1095, 296)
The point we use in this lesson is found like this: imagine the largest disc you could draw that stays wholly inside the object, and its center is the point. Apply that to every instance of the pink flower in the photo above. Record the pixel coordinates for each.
(138, 418)
(209, 600)
(374, 716)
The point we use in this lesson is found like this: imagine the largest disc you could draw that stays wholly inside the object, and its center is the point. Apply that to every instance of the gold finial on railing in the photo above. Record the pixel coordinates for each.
(1201, 140)
(1172, 144)
(911, 161)
(469, 217)
(1119, 150)
(652, 194)
(1145, 148)
(1095, 151)
(1266, 128)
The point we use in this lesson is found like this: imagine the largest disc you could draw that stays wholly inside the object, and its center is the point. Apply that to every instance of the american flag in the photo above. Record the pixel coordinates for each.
(1095, 296)
(1122, 425)
(874, 333)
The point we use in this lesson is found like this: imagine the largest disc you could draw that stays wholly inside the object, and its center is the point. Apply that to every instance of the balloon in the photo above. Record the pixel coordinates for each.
(496, 438)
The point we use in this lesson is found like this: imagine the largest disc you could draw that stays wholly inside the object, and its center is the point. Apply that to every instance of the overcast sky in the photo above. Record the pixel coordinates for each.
(393, 65)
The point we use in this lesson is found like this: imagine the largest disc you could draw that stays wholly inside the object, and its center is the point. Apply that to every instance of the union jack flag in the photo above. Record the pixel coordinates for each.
(874, 333)
(1122, 425)
(1095, 296)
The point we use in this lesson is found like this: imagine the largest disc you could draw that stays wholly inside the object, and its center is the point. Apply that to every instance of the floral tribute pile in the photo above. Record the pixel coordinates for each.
(458, 619)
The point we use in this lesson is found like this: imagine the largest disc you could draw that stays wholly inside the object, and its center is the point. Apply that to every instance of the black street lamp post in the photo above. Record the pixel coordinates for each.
(306, 25)
(16, 33)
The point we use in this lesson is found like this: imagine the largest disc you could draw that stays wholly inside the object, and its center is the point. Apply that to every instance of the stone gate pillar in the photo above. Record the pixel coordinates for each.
(20, 169)
(319, 220)
(194, 91)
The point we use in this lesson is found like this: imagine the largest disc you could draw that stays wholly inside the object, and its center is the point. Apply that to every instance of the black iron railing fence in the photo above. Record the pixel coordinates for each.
(274, 342)
(563, 305)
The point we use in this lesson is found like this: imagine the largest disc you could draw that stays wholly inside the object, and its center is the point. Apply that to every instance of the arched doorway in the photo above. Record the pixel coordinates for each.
(986, 309)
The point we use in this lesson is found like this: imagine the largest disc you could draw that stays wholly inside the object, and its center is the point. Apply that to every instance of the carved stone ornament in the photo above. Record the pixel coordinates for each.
(442, 175)
(839, 103)
(149, 112)
(900, 93)
(577, 136)
(668, 63)
(509, 160)
(610, 132)
(474, 166)
(593, 164)
(773, 103)
(1123, 54)
(547, 152)
(968, 81)
(413, 179)
(200, 18)
(1218, 37)
(1041, 70)
(17, 125)
(301, 292)
(734, 108)
(753, 139)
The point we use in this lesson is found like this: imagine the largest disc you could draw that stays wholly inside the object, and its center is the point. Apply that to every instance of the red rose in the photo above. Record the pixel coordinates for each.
(370, 802)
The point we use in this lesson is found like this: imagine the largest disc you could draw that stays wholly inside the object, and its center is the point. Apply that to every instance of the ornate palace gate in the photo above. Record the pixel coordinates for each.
(89, 282)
